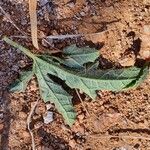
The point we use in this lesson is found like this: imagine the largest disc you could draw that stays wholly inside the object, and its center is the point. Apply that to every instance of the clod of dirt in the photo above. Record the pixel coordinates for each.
(146, 2)
(146, 29)
(78, 128)
(40, 109)
(26, 136)
(80, 117)
(145, 45)
(22, 115)
(72, 143)
(128, 60)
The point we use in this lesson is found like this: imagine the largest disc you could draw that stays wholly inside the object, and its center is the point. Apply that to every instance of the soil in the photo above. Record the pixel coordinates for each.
(116, 120)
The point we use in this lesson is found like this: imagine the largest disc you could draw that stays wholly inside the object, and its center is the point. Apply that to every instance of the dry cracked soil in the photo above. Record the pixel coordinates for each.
(120, 29)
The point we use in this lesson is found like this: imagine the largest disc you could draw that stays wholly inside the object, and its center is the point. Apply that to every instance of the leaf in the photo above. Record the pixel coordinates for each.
(51, 91)
(142, 76)
(90, 68)
(75, 57)
(21, 84)
(113, 80)
(89, 81)
(33, 21)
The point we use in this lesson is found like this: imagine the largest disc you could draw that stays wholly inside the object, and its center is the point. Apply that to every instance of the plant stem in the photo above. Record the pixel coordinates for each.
(24, 50)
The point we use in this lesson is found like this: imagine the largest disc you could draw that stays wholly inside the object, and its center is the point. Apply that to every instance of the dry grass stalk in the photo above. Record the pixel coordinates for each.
(33, 21)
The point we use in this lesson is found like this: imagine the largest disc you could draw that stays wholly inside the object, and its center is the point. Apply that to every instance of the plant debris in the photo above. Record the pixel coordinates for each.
(88, 80)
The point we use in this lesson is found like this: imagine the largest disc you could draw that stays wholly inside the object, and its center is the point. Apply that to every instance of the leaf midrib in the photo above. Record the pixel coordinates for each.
(80, 54)
(71, 73)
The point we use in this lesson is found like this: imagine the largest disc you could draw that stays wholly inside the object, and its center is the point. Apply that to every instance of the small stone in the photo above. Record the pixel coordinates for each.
(43, 2)
(48, 118)
(49, 106)
(82, 14)
(122, 148)
(71, 4)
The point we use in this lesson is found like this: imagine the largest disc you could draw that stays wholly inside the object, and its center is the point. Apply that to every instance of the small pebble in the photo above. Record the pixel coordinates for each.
(49, 106)
(71, 4)
(48, 118)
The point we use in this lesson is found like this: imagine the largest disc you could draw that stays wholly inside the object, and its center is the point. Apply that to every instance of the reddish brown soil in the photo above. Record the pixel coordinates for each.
(123, 37)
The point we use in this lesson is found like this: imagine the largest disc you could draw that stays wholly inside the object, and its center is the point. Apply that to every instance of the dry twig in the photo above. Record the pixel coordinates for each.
(82, 102)
(61, 37)
(28, 124)
(33, 21)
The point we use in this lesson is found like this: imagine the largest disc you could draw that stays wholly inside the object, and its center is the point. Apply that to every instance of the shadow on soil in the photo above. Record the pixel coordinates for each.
(6, 120)
(139, 130)
(52, 142)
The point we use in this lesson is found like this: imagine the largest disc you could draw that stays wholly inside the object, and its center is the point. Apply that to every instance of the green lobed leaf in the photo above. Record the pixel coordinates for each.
(49, 90)
(21, 83)
(76, 57)
(53, 92)
(142, 76)
(88, 81)
(111, 79)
